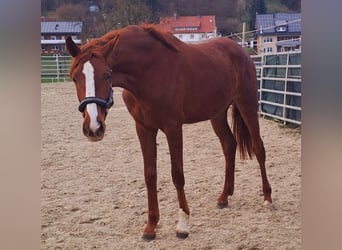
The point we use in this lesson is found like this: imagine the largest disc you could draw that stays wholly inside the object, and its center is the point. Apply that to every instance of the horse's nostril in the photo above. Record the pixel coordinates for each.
(101, 128)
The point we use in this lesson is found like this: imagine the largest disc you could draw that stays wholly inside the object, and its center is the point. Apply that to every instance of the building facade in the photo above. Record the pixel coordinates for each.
(53, 34)
(278, 32)
(190, 29)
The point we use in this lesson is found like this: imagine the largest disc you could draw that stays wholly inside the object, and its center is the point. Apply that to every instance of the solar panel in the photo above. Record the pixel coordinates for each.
(266, 22)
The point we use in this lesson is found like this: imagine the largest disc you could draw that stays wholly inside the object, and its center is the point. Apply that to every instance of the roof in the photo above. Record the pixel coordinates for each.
(266, 23)
(53, 27)
(188, 24)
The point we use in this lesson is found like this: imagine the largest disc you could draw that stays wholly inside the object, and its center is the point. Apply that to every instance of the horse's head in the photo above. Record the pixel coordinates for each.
(92, 78)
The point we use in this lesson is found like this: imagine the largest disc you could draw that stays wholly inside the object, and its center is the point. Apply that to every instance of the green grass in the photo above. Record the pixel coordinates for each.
(52, 80)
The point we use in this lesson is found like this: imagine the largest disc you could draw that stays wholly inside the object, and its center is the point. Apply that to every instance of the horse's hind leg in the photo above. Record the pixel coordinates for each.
(248, 111)
(228, 143)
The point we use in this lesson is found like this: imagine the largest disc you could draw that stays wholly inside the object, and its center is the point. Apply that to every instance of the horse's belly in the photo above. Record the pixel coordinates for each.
(198, 113)
(205, 106)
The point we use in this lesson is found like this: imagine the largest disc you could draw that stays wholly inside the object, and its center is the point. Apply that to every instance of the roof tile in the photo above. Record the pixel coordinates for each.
(53, 27)
(266, 22)
(203, 23)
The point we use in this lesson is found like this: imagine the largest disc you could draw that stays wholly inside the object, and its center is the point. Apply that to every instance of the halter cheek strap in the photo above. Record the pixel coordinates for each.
(93, 99)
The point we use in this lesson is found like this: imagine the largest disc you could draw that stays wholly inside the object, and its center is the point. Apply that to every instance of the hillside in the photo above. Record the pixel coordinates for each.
(111, 14)
(276, 6)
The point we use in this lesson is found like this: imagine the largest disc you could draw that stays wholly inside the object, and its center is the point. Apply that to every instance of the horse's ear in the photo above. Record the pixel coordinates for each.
(72, 48)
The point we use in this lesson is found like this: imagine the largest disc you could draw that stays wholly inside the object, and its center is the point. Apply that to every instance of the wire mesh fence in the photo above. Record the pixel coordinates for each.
(279, 82)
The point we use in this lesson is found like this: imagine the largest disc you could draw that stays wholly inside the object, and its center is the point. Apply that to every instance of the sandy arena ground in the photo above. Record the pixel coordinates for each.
(93, 195)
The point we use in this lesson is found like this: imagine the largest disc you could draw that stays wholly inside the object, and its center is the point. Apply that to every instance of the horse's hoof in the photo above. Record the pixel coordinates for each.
(222, 204)
(269, 205)
(182, 235)
(148, 236)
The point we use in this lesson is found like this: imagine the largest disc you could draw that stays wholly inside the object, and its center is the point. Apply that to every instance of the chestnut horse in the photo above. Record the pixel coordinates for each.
(168, 83)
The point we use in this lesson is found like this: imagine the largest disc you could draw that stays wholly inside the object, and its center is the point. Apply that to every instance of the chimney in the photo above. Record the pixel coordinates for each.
(174, 16)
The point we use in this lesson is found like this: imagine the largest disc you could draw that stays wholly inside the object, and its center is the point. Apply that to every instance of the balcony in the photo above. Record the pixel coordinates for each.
(55, 42)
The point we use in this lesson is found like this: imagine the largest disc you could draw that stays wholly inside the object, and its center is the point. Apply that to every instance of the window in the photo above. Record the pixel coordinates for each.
(192, 36)
(268, 39)
(267, 50)
(281, 29)
(53, 38)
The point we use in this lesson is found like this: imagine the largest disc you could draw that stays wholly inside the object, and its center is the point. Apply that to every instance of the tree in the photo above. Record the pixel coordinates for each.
(294, 5)
(251, 8)
(71, 12)
(115, 14)
(152, 5)
(127, 12)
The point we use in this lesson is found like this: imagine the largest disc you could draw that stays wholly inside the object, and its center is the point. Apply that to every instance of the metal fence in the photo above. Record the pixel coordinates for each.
(279, 81)
(54, 68)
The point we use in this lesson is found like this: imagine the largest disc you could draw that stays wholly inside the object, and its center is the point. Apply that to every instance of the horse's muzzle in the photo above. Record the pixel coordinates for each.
(94, 135)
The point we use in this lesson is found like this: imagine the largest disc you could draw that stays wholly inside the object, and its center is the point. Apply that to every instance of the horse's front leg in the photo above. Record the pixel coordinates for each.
(175, 140)
(147, 138)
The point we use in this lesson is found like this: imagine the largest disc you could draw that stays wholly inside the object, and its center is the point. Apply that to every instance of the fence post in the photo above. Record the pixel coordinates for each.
(285, 88)
(261, 81)
(57, 67)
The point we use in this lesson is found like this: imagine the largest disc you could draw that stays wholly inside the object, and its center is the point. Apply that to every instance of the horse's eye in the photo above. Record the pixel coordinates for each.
(108, 77)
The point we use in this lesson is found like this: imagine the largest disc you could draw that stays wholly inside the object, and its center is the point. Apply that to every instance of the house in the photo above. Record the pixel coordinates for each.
(278, 32)
(53, 34)
(190, 29)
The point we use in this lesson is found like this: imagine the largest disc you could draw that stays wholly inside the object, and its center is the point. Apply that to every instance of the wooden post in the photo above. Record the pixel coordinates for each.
(243, 34)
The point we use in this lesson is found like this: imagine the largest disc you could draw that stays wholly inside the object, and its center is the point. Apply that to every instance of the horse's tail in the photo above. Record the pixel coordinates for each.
(241, 134)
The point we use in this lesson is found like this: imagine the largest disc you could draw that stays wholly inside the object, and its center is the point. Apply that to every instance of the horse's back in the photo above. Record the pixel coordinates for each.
(228, 58)
(241, 66)
(215, 72)
(199, 81)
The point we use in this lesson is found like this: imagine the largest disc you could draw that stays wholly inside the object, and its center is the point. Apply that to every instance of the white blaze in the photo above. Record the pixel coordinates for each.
(183, 223)
(88, 71)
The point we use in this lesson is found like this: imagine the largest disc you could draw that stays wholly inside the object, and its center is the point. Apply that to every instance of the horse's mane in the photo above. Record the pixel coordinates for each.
(164, 37)
(99, 46)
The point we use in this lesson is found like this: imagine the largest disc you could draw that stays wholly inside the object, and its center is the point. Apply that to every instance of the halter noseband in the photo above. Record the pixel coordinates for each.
(93, 99)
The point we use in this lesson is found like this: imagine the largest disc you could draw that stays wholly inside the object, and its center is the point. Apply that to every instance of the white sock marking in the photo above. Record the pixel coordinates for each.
(88, 71)
(183, 223)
